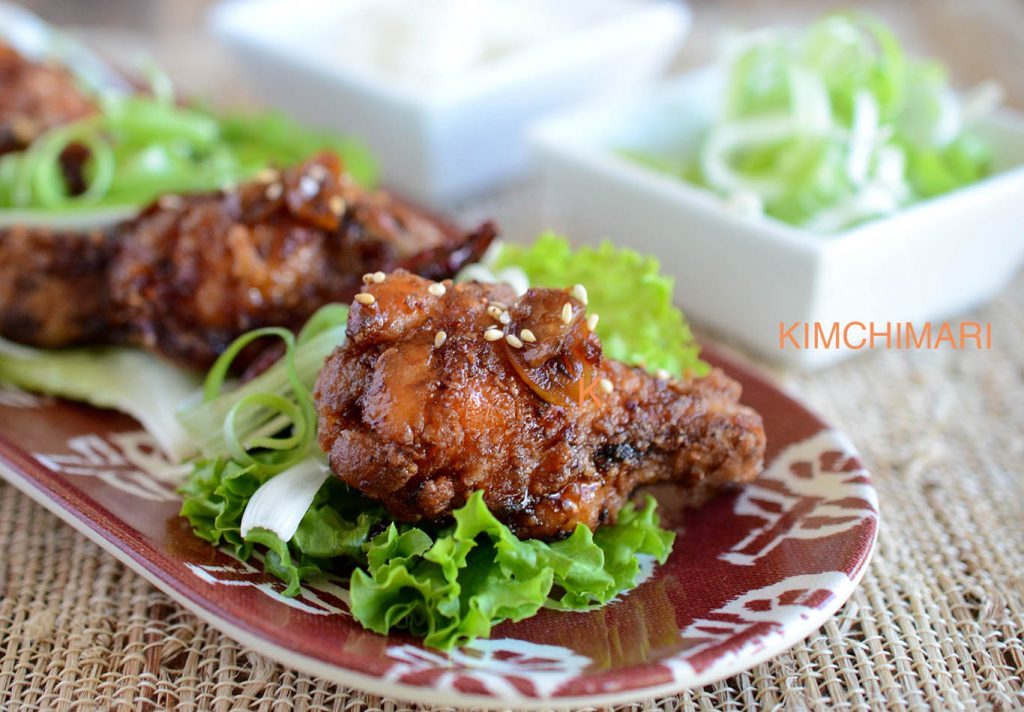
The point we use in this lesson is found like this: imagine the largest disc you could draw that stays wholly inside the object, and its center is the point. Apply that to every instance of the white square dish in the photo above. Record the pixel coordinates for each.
(443, 140)
(746, 276)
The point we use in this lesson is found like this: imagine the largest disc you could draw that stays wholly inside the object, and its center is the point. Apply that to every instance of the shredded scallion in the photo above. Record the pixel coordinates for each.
(139, 147)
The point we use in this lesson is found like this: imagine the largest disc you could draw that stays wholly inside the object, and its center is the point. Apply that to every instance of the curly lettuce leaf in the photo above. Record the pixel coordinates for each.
(334, 531)
(655, 335)
(448, 586)
(215, 497)
(456, 586)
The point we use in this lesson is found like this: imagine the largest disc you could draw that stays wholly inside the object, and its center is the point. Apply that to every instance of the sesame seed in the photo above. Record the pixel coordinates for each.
(527, 336)
(580, 292)
(500, 305)
(606, 386)
(365, 298)
(437, 289)
(662, 374)
(267, 175)
(439, 339)
(274, 191)
(592, 322)
(567, 313)
(378, 277)
(336, 205)
(368, 278)
(308, 187)
(171, 202)
(318, 172)
(492, 334)
(514, 341)
(494, 311)
(504, 318)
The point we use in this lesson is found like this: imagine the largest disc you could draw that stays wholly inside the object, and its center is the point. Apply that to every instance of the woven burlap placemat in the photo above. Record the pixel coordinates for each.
(937, 622)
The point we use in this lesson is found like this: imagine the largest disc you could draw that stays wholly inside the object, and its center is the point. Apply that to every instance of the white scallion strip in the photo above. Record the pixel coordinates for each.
(205, 420)
(981, 101)
(810, 102)
(282, 501)
(484, 272)
(727, 139)
(863, 137)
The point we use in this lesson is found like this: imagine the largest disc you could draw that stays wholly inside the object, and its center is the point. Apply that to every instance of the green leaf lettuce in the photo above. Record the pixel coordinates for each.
(618, 280)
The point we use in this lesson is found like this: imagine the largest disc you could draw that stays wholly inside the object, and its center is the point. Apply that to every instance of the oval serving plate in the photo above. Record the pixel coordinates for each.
(753, 572)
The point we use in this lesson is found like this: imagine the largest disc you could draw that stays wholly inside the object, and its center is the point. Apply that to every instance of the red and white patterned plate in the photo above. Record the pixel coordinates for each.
(753, 572)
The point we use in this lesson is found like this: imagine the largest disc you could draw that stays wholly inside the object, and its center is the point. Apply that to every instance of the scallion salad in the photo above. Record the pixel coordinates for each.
(834, 125)
(258, 478)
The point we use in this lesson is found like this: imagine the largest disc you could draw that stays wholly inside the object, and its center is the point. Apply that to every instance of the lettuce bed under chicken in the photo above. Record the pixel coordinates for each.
(450, 584)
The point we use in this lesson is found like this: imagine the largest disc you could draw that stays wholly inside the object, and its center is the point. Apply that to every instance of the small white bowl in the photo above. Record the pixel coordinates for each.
(455, 137)
(747, 276)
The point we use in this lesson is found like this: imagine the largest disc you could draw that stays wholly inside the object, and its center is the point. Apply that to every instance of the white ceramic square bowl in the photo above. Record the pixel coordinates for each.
(444, 141)
(746, 276)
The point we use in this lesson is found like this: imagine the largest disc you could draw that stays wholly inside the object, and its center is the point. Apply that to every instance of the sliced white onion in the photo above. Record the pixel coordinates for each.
(863, 137)
(950, 121)
(514, 277)
(981, 101)
(877, 198)
(728, 138)
(811, 105)
(282, 501)
(484, 272)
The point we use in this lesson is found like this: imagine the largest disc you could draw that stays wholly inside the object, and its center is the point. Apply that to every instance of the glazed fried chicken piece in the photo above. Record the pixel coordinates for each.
(35, 98)
(53, 286)
(436, 394)
(192, 273)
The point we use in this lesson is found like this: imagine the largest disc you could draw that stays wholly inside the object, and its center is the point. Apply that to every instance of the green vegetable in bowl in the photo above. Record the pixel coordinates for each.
(835, 125)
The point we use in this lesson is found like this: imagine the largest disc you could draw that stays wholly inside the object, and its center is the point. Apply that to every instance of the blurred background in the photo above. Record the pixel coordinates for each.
(977, 40)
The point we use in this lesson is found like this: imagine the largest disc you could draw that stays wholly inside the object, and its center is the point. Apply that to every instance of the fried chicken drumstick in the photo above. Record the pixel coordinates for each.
(192, 273)
(443, 389)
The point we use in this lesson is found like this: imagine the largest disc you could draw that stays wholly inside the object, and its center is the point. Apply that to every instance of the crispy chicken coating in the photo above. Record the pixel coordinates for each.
(35, 98)
(53, 286)
(440, 392)
(192, 273)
